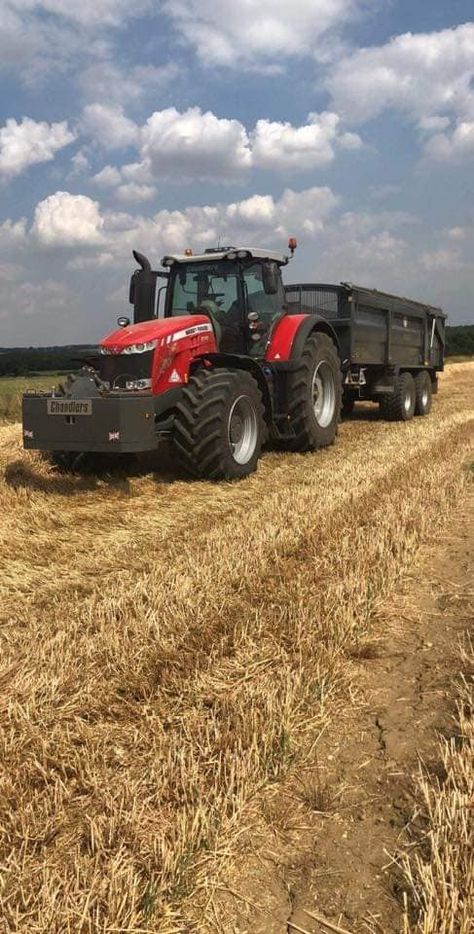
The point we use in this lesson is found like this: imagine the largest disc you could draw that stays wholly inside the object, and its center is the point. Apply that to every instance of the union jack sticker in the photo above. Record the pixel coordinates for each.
(114, 436)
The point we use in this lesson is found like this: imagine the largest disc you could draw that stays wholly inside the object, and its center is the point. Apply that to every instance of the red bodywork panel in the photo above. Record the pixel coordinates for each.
(283, 337)
(179, 341)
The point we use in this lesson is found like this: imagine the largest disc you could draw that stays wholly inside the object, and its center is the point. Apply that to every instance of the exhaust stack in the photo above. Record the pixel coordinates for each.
(143, 290)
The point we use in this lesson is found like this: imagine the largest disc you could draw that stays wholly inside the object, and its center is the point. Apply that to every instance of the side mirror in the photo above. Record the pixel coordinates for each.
(271, 278)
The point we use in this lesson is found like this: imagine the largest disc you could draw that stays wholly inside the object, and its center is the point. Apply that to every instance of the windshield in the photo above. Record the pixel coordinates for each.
(199, 283)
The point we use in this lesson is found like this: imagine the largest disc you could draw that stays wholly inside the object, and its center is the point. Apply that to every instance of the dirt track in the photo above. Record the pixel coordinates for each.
(343, 865)
(157, 638)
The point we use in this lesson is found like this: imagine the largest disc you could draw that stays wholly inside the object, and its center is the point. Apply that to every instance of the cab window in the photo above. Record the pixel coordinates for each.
(206, 283)
(267, 306)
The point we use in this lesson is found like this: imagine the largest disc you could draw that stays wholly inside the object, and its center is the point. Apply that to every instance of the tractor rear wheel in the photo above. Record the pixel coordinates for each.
(315, 395)
(400, 405)
(219, 426)
(423, 393)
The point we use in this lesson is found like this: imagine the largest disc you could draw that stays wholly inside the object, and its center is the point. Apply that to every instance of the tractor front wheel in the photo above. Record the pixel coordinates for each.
(315, 395)
(219, 427)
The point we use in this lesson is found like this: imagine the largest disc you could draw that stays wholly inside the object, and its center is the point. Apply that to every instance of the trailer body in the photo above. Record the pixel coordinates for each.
(378, 334)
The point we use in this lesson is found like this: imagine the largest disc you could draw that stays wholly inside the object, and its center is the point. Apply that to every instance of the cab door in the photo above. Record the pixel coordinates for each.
(262, 309)
(225, 288)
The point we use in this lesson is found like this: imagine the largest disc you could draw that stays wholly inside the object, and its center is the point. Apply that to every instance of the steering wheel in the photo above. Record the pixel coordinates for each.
(210, 308)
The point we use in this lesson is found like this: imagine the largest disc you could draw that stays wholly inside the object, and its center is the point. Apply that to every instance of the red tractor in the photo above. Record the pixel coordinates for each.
(226, 367)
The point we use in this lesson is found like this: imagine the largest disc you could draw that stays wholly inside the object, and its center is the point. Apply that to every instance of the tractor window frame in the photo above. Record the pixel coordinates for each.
(274, 303)
(213, 270)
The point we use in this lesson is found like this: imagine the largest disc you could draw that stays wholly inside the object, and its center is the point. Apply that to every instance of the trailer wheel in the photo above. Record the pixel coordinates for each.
(400, 405)
(219, 428)
(315, 395)
(423, 393)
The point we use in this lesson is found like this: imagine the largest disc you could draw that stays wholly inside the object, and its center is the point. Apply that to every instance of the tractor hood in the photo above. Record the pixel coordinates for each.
(160, 330)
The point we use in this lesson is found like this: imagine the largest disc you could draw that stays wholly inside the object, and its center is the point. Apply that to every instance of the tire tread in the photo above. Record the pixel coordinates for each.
(198, 425)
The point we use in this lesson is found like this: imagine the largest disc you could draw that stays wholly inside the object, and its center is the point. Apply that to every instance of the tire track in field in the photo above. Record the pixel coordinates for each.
(64, 536)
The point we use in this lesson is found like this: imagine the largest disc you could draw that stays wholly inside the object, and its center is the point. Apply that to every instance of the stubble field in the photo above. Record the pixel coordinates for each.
(171, 652)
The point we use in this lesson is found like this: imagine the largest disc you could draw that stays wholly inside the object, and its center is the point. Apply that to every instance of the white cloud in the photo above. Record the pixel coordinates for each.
(369, 248)
(256, 34)
(107, 81)
(305, 211)
(387, 250)
(38, 37)
(193, 144)
(108, 177)
(201, 146)
(253, 211)
(429, 77)
(442, 259)
(24, 42)
(282, 146)
(33, 298)
(456, 233)
(452, 147)
(13, 233)
(132, 192)
(433, 124)
(259, 219)
(423, 75)
(67, 220)
(10, 272)
(87, 12)
(80, 163)
(108, 126)
(27, 143)
(76, 221)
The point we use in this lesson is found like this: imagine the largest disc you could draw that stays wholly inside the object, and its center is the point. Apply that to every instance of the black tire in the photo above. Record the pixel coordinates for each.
(348, 403)
(423, 393)
(400, 405)
(89, 462)
(214, 404)
(310, 430)
(64, 460)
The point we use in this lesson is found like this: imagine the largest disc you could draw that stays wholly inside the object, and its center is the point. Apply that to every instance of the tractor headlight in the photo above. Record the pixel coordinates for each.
(138, 384)
(140, 348)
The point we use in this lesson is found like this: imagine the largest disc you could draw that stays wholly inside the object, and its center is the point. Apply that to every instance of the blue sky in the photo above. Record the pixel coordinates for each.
(161, 125)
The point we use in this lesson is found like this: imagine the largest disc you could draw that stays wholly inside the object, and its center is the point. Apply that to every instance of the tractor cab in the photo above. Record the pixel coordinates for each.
(239, 290)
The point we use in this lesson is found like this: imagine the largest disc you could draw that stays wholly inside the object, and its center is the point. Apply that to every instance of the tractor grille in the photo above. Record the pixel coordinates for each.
(123, 368)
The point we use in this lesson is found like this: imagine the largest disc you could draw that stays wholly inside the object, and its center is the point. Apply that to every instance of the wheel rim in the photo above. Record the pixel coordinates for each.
(323, 393)
(242, 430)
(407, 401)
(424, 398)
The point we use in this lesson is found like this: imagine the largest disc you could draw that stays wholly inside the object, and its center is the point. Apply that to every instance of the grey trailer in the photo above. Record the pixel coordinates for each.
(391, 348)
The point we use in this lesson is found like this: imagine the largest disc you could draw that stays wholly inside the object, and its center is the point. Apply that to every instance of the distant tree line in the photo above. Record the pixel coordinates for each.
(460, 341)
(26, 361)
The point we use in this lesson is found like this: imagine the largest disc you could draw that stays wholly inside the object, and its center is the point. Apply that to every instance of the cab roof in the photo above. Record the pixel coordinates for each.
(225, 253)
